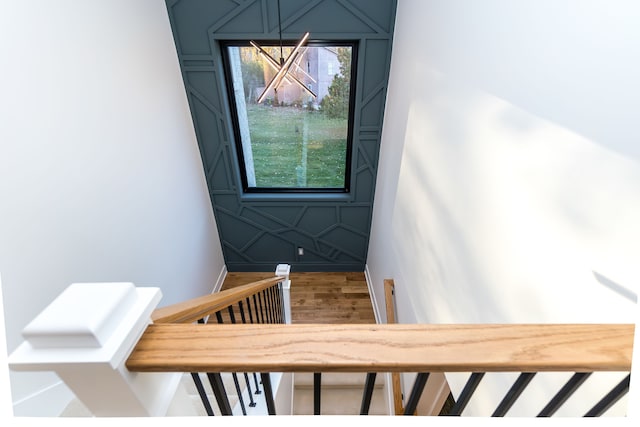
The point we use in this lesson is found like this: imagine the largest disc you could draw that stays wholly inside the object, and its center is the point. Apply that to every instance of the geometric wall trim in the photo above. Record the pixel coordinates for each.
(259, 231)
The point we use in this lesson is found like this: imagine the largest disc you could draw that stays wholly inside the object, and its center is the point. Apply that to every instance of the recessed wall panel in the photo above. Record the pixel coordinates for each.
(260, 231)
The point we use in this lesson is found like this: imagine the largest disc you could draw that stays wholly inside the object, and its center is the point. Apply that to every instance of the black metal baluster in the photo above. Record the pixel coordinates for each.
(272, 305)
(249, 310)
(267, 311)
(416, 392)
(241, 308)
(281, 302)
(231, 315)
(220, 393)
(368, 393)
(252, 403)
(203, 394)
(317, 390)
(201, 391)
(255, 308)
(467, 392)
(565, 392)
(512, 395)
(267, 305)
(280, 305)
(283, 308)
(261, 311)
(217, 376)
(611, 398)
(276, 305)
(268, 393)
(255, 377)
(243, 317)
(236, 383)
(276, 300)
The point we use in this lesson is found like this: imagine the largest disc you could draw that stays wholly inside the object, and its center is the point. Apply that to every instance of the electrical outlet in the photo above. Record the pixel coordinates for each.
(300, 251)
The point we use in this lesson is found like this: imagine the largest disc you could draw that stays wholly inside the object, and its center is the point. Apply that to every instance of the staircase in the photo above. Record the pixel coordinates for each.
(177, 342)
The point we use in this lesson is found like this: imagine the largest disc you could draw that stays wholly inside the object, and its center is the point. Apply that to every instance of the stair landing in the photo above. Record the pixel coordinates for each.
(324, 297)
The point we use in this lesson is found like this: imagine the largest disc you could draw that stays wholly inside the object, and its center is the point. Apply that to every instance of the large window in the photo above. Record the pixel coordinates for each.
(296, 136)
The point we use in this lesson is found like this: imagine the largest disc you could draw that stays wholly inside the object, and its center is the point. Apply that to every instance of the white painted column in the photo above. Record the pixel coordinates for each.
(85, 336)
(283, 270)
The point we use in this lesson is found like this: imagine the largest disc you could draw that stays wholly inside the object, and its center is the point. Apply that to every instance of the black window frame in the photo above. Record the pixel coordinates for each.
(353, 44)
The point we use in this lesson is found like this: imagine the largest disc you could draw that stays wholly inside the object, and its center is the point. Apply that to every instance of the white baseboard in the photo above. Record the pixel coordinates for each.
(220, 281)
(374, 303)
(50, 401)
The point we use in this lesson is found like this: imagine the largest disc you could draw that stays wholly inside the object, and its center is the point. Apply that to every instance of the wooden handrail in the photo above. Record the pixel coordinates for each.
(191, 310)
(396, 386)
(383, 348)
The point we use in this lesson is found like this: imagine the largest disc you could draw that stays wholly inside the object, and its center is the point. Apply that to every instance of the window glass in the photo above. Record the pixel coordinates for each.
(294, 135)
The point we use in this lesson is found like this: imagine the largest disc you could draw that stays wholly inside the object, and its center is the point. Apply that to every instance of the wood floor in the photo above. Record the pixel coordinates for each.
(320, 297)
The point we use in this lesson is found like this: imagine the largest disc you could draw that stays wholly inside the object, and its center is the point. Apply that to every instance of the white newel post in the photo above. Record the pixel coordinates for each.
(283, 270)
(85, 336)
(283, 383)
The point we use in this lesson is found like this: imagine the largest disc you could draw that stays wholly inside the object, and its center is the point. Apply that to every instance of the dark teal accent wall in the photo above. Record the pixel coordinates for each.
(259, 231)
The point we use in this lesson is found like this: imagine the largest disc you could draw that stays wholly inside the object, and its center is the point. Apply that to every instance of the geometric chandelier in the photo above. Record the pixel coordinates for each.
(284, 65)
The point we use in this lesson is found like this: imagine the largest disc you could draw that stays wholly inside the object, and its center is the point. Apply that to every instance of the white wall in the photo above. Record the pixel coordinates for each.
(509, 182)
(100, 174)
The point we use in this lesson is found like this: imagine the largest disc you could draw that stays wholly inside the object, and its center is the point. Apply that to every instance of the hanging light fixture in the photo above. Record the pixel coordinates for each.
(283, 66)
